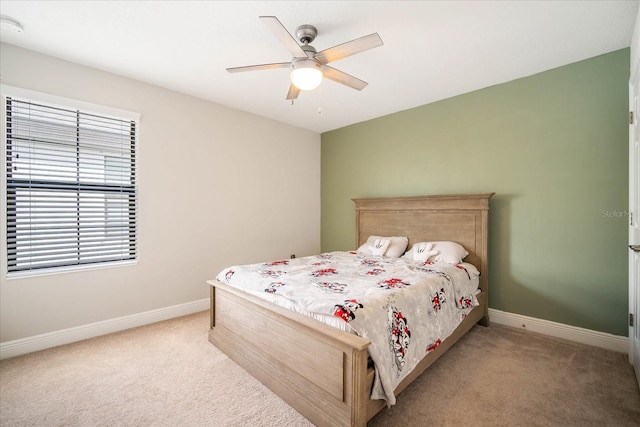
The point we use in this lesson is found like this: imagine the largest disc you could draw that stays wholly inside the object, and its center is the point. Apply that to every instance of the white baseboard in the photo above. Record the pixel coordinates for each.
(560, 330)
(53, 339)
(91, 330)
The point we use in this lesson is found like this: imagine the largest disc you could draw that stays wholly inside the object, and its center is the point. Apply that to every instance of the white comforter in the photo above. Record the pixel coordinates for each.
(405, 307)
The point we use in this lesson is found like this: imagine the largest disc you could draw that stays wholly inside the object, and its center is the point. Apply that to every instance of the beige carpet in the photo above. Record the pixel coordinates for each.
(167, 374)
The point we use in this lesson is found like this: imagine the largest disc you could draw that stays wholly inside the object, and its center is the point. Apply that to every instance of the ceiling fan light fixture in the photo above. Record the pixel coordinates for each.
(306, 74)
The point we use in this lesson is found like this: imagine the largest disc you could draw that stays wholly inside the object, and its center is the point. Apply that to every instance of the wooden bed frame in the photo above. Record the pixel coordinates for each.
(319, 370)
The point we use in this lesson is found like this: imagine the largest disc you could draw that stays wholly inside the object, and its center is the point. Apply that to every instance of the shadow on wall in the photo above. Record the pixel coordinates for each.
(510, 293)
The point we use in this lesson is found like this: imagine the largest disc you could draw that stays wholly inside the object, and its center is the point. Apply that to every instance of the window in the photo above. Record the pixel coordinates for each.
(71, 194)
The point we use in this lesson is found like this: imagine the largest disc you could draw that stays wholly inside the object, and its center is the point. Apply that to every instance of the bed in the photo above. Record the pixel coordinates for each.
(328, 378)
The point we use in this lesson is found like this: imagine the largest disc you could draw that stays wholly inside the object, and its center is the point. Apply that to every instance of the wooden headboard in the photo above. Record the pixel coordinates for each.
(461, 218)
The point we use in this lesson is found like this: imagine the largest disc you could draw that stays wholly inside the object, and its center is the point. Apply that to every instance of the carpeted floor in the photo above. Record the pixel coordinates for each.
(167, 374)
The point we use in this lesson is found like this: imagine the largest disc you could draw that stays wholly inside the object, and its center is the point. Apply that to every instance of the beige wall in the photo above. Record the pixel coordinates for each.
(217, 187)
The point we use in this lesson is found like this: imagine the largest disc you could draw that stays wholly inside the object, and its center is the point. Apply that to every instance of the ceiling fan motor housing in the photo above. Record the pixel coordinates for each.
(309, 50)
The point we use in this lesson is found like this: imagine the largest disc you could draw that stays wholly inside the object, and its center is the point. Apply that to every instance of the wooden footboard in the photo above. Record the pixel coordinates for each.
(317, 369)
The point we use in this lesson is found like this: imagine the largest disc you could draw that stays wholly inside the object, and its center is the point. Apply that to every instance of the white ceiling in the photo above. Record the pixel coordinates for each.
(432, 49)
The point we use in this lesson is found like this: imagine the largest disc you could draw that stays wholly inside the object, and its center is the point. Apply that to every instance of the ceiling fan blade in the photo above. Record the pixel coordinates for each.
(284, 36)
(349, 48)
(260, 67)
(343, 78)
(293, 92)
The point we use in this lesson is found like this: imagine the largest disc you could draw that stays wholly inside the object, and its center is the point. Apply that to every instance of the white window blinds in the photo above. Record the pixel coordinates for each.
(71, 195)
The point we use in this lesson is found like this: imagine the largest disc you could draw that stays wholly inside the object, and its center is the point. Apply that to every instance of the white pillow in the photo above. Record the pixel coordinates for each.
(449, 252)
(397, 245)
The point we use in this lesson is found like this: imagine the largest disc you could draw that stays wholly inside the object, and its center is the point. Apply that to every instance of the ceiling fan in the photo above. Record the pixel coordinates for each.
(309, 66)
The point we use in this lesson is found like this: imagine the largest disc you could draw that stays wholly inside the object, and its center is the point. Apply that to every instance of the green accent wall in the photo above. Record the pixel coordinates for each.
(554, 149)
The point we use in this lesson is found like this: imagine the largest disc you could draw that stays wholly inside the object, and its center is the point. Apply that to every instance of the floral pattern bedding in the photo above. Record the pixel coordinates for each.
(405, 307)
